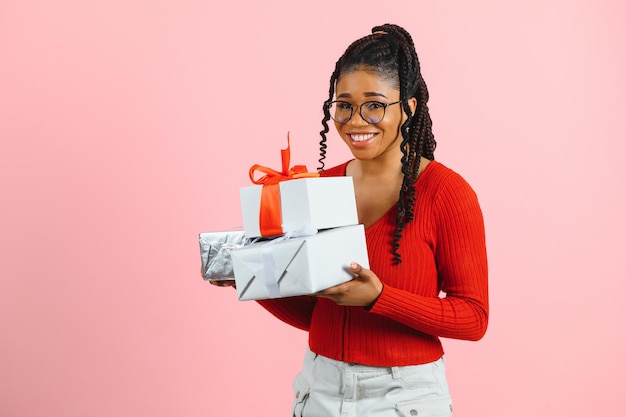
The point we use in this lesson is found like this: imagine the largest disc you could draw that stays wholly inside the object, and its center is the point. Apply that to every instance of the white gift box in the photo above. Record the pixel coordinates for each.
(318, 203)
(285, 267)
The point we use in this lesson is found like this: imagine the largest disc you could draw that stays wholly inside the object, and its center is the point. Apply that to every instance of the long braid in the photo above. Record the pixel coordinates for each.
(404, 212)
(331, 92)
(390, 52)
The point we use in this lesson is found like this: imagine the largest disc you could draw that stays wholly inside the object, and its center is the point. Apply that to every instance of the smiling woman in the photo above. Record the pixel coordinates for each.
(374, 347)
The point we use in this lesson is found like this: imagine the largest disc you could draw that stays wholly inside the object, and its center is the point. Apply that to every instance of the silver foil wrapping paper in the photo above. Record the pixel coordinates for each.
(215, 250)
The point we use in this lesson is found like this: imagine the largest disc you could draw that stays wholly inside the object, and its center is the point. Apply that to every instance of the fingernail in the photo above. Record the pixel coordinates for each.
(353, 265)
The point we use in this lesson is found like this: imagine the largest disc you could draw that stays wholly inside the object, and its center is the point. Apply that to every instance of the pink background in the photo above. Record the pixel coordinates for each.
(127, 128)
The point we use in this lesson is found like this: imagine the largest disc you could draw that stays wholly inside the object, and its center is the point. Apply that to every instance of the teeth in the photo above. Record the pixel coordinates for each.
(361, 138)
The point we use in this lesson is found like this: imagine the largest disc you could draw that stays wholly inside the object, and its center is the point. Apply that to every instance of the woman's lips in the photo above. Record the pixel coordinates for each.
(361, 139)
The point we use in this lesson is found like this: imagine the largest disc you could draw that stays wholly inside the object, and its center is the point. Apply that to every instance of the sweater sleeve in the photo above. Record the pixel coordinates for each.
(461, 259)
(295, 311)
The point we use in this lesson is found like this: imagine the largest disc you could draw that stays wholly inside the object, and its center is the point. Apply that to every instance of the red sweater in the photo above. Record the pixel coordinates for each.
(442, 249)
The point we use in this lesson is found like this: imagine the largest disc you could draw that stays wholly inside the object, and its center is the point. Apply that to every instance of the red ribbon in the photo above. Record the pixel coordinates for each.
(270, 217)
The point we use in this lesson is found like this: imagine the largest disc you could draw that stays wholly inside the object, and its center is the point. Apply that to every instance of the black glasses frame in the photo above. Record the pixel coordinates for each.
(352, 107)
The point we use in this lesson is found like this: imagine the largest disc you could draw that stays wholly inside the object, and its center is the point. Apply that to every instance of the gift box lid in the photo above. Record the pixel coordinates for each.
(320, 203)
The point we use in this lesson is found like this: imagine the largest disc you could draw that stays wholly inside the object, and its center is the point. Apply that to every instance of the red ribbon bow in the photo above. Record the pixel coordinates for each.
(270, 217)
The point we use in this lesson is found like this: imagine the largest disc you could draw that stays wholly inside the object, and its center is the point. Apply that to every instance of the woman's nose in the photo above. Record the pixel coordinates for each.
(357, 119)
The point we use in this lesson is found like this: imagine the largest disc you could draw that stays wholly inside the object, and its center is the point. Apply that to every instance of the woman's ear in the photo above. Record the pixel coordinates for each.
(412, 101)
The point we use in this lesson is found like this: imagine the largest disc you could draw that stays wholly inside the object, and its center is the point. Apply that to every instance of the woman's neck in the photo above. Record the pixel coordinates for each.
(384, 166)
(380, 168)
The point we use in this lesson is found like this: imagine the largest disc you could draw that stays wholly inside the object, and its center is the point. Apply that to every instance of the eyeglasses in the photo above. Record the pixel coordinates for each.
(371, 111)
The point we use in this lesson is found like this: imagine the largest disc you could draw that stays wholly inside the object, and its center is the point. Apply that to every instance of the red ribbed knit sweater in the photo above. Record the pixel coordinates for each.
(442, 249)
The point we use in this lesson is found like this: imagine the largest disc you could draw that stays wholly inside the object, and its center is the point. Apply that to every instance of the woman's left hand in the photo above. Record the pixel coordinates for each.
(362, 291)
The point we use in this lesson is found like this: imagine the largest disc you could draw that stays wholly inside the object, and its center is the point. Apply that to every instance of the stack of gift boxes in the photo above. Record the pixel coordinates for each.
(300, 233)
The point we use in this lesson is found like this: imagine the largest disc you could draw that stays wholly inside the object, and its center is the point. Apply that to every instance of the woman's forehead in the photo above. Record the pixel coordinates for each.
(362, 81)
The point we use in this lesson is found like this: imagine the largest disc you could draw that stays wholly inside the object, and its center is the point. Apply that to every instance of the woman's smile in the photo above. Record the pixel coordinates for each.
(362, 139)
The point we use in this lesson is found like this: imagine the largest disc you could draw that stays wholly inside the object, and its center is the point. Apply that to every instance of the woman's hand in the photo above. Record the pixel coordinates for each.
(220, 282)
(223, 283)
(362, 291)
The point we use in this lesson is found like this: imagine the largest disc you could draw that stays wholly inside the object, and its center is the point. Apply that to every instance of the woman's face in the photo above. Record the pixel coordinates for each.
(371, 141)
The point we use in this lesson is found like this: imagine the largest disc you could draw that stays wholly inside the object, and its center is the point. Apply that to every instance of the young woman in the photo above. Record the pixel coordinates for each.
(374, 347)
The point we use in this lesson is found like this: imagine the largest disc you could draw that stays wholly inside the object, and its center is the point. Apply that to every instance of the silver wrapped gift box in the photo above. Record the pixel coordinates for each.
(215, 248)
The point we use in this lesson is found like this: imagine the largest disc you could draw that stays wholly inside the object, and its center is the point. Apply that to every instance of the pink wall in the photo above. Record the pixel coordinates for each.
(127, 127)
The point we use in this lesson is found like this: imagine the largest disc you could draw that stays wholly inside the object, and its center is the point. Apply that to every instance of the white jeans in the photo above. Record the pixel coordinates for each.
(330, 388)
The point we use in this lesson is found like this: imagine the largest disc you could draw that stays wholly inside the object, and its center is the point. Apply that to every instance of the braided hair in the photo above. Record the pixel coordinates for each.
(389, 52)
